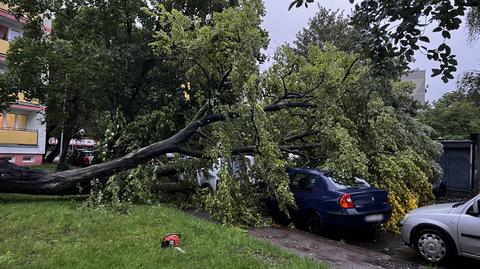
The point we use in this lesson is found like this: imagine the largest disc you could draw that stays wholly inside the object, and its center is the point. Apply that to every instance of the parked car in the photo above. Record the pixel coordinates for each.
(209, 178)
(325, 201)
(441, 231)
(81, 157)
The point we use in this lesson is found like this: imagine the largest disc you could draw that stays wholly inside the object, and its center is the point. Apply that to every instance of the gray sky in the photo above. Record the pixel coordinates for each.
(283, 25)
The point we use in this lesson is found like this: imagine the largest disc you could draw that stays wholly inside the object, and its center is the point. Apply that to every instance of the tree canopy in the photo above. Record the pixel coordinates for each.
(329, 26)
(457, 114)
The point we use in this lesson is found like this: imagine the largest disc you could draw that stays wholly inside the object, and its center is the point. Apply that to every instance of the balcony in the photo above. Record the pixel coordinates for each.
(4, 46)
(17, 137)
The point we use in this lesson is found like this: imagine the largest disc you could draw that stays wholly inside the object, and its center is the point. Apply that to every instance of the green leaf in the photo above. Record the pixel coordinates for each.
(446, 34)
(424, 39)
(436, 72)
(298, 3)
(452, 61)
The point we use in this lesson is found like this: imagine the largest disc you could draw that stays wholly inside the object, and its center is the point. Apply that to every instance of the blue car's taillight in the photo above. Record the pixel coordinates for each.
(346, 202)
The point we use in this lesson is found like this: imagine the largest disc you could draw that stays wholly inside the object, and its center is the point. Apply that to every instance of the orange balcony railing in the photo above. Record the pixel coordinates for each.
(17, 137)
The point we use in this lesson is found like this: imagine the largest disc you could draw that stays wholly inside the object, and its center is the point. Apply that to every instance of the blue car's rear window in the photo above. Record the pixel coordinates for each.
(345, 183)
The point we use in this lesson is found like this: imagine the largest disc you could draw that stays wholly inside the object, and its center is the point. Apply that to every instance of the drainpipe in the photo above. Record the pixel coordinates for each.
(63, 110)
(476, 161)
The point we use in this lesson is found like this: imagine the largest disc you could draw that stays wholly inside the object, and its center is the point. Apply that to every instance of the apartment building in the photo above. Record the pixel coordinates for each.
(22, 124)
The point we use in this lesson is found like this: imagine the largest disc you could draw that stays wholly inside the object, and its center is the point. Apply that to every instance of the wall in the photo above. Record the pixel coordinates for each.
(34, 122)
(417, 77)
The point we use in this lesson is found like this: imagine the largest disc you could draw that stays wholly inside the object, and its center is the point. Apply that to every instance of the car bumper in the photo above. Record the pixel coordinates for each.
(405, 231)
(358, 219)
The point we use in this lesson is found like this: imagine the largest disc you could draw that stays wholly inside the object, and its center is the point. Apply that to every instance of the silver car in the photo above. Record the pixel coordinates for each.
(440, 231)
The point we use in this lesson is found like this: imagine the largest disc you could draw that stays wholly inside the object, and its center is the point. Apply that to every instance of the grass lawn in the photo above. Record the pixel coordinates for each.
(50, 167)
(54, 232)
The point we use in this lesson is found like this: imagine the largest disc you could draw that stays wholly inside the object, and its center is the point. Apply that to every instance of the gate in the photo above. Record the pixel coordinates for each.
(456, 163)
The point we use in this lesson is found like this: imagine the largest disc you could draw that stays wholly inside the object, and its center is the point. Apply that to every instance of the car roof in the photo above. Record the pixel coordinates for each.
(313, 171)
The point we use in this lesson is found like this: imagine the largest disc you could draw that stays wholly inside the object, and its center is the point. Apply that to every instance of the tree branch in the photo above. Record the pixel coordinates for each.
(349, 69)
(277, 107)
(299, 136)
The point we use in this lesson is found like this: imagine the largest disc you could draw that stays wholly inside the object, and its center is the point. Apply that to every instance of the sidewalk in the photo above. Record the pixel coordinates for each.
(334, 253)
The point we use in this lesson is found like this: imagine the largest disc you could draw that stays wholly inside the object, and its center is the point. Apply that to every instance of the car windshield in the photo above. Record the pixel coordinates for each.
(347, 183)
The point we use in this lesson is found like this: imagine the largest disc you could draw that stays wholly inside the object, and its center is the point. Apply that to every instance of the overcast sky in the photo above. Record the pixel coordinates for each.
(283, 25)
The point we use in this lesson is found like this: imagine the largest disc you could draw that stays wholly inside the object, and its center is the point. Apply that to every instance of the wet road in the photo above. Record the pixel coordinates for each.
(353, 249)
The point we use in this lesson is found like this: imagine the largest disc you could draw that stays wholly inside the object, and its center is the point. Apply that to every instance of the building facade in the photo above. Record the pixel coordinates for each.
(10, 28)
(22, 124)
(417, 77)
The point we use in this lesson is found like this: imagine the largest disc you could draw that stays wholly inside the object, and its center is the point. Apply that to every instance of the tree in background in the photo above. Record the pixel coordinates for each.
(457, 114)
(473, 23)
(393, 30)
(202, 9)
(329, 26)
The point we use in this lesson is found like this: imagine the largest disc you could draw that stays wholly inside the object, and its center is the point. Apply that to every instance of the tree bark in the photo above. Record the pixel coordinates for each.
(67, 136)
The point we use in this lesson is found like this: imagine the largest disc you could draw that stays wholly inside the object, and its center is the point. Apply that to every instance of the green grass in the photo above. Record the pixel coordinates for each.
(49, 167)
(53, 232)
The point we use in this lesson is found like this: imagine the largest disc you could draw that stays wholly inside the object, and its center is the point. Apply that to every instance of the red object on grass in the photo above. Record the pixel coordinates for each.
(171, 240)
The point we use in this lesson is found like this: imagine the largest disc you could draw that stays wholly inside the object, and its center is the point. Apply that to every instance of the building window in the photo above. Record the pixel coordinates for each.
(16, 121)
(8, 158)
(27, 159)
(4, 32)
(21, 122)
(14, 34)
(10, 121)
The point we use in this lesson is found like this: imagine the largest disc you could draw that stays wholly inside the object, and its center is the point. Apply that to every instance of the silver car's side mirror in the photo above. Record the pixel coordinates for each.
(476, 207)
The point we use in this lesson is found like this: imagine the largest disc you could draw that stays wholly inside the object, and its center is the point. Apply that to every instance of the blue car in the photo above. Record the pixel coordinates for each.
(324, 201)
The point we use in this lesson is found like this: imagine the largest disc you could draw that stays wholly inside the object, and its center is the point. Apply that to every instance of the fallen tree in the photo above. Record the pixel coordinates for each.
(15, 179)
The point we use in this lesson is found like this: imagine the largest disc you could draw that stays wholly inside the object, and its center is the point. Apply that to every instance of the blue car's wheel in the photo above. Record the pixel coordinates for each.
(313, 222)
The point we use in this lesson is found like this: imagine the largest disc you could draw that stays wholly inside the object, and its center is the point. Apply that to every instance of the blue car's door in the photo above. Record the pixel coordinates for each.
(308, 190)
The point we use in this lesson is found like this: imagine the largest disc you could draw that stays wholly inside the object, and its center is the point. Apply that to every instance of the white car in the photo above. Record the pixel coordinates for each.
(440, 231)
(210, 178)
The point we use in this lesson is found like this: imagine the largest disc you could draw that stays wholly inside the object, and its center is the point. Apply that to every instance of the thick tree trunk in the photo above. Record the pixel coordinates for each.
(14, 179)
(67, 136)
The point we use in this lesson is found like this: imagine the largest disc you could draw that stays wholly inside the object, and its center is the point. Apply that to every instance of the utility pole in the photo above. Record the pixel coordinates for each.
(63, 126)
